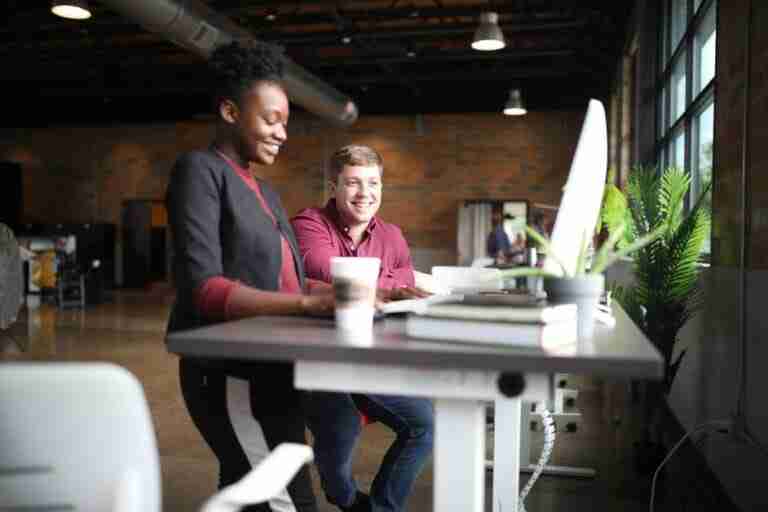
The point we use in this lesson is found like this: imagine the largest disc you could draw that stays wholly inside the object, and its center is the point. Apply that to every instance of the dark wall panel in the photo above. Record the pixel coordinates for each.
(11, 194)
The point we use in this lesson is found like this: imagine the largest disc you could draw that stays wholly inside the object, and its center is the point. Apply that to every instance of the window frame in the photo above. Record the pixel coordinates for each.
(694, 104)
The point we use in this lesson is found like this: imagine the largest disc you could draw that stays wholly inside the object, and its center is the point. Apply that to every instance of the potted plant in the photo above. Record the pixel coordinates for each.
(665, 291)
(585, 284)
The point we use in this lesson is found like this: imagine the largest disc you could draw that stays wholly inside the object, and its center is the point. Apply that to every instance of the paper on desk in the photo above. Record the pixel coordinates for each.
(418, 306)
(429, 284)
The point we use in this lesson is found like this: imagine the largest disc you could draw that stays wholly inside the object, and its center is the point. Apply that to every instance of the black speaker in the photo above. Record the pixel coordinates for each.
(137, 243)
(11, 195)
(97, 242)
(144, 242)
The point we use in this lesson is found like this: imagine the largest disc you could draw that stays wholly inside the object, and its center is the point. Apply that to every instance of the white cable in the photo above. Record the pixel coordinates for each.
(546, 453)
(694, 430)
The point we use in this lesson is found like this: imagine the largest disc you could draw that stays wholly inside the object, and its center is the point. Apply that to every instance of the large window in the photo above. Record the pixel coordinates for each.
(686, 93)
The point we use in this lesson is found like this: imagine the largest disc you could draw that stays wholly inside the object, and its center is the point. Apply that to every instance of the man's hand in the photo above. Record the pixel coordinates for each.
(405, 292)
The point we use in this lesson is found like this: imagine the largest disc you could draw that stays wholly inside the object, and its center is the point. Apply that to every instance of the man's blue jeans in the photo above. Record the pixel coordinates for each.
(334, 419)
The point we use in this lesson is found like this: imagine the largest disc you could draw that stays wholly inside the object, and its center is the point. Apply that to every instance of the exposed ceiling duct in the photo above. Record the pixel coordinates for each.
(193, 25)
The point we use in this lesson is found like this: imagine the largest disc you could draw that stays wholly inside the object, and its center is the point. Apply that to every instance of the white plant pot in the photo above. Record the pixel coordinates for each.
(584, 291)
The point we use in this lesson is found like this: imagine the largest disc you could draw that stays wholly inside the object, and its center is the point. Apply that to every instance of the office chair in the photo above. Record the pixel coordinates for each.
(11, 277)
(76, 435)
(79, 436)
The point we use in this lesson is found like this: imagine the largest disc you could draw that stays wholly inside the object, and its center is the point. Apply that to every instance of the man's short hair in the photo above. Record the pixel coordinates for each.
(354, 155)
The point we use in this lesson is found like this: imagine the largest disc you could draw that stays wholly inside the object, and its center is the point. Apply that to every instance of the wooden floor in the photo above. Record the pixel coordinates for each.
(129, 331)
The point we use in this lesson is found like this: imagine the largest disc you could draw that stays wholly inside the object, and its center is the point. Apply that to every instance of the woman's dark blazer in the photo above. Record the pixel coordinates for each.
(219, 228)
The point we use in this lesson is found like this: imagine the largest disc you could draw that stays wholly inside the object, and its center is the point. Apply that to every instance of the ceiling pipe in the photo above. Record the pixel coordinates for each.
(193, 25)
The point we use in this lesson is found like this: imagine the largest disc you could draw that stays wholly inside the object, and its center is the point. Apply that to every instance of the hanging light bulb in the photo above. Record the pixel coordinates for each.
(488, 35)
(515, 105)
(71, 9)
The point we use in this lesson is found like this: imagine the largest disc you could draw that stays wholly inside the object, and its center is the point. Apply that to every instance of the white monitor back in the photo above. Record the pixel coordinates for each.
(582, 193)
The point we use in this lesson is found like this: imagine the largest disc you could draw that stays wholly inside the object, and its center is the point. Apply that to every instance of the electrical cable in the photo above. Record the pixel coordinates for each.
(745, 206)
(750, 438)
(546, 453)
(741, 429)
(694, 430)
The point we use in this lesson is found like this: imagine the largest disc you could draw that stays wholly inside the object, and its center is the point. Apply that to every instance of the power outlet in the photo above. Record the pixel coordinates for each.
(564, 422)
(721, 426)
(565, 400)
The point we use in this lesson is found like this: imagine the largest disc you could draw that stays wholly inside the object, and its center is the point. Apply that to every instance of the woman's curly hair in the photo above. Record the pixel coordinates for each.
(236, 66)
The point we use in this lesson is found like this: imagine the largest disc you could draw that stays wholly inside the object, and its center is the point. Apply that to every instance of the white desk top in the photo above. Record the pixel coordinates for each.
(619, 351)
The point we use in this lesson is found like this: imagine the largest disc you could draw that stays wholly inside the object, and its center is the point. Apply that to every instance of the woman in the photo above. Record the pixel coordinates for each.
(236, 256)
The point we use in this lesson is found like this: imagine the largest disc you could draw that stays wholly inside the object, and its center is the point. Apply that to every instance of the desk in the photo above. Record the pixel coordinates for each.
(460, 378)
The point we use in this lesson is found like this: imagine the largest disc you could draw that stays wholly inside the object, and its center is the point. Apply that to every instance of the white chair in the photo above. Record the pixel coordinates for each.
(76, 435)
(79, 436)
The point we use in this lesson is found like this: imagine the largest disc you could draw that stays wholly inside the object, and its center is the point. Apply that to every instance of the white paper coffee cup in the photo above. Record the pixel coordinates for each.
(354, 287)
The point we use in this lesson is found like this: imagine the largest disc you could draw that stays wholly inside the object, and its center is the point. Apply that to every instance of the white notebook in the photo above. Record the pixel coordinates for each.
(534, 313)
(491, 333)
(496, 307)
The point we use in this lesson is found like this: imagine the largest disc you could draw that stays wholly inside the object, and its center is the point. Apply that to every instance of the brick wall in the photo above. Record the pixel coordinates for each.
(432, 162)
(730, 133)
(729, 129)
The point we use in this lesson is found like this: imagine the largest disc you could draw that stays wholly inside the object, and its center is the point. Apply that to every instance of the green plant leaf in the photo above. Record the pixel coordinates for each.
(673, 188)
(666, 288)
(613, 211)
(612, 257)
(581, 259)
(643, 199)
(627, 298)
(526, 271)
(602, 253)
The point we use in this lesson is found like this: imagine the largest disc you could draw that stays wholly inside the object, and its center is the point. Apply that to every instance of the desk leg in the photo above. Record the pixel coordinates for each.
(459, 456)
(506, 447)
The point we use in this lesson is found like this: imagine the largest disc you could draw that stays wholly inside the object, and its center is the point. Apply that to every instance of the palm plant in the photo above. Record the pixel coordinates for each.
(666, 292)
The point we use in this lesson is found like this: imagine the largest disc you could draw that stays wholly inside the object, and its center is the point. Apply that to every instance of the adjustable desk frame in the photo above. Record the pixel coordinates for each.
(460, 378)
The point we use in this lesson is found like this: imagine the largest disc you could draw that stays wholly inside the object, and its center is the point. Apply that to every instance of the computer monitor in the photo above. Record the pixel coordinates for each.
(582, 193)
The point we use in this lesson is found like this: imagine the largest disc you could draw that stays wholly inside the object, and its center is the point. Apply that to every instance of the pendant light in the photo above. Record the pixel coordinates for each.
(488, 35)
(71, 9)
(515, 105)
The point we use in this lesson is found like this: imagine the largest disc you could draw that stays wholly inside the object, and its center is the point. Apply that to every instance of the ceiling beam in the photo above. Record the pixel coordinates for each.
(432, 32)
(288, 15)
(437, 57)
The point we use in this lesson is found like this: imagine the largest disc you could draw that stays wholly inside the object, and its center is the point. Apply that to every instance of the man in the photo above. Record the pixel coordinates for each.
(348, 226)
(497, 244)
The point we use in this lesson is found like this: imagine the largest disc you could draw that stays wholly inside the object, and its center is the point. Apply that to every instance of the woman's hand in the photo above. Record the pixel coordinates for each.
(320, 304)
